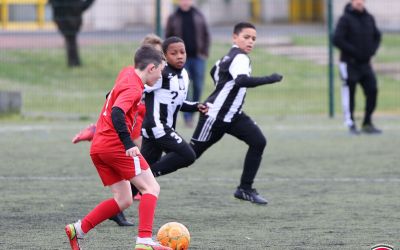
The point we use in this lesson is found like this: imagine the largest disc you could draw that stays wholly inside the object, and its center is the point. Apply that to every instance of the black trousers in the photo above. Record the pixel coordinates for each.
(363, 74)
(177, 153)
(210, 131)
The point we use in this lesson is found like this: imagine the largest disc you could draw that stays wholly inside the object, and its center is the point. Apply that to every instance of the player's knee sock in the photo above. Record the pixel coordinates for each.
(147, 208)
(101, 212)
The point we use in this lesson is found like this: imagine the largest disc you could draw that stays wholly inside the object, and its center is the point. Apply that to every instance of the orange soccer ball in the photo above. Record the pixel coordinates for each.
(174, 235)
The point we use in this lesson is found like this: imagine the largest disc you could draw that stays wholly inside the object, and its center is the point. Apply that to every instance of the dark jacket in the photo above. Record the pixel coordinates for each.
(174, 28)
(356, 36)
(68, 14)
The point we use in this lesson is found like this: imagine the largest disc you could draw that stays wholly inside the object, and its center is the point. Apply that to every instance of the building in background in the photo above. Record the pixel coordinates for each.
(123, 14)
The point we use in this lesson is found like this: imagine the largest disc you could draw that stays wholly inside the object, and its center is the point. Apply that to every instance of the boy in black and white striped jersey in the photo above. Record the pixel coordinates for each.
(231, 76)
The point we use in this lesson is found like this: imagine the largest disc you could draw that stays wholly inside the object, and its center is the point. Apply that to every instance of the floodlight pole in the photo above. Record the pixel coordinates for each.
(330, 61)
(158, 18)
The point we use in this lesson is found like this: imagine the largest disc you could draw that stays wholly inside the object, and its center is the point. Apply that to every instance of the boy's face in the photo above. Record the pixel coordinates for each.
(246, 39)
(176, 55)
(154, 73)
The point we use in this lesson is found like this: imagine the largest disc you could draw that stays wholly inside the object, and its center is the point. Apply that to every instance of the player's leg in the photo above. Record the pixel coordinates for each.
(245, 129)
(369, 84)
(85, 134)
(150, 189)
(122, 198)
(208, 131)
(348, 89)
(179, 154)
(152, 152)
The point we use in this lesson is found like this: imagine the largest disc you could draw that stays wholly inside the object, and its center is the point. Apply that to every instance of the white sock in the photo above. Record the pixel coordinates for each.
(148, 241)
(78, 229)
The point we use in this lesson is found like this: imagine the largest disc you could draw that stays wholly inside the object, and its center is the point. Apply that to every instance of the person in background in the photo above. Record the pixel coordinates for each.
(67, 14)
(188, 23)
(358, 39)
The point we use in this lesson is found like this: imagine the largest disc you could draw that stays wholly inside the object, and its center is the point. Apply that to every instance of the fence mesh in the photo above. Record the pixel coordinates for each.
(292, 39)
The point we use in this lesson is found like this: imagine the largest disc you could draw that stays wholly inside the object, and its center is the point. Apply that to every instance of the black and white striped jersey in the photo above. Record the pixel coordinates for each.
(164, 100)
(228, 98)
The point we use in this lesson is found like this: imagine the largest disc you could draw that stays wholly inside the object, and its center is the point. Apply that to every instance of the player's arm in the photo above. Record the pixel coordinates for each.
(240, 71)
(194, 107)
(251, 82)
(118, 120)
(188, 106)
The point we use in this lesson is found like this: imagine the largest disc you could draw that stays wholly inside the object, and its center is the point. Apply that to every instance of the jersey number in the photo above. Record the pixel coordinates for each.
(108, 99)
(174, 96)
(176, 137)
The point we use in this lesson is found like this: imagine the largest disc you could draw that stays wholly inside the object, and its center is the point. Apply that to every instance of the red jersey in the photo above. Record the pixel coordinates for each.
(126, 94)
(137, 128)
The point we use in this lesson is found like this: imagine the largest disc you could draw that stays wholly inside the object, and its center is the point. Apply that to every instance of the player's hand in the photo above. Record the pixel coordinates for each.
(202, 108)
(276, 77)
(132, 152)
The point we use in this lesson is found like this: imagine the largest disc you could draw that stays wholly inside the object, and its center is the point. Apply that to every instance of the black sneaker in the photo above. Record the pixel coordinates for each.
(370, 129)
(121, 220)
(353, 130)
(250, 195)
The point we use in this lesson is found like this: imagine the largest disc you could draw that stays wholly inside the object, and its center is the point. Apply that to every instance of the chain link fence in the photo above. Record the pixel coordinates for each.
(292, 39)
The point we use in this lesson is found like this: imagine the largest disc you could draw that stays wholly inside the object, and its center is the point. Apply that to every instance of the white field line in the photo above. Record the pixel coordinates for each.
(297, 127)
(214, 179)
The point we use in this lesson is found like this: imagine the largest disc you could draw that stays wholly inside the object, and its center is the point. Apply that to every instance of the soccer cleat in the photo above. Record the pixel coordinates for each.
(370, 129)
(85, 134)
(121, 220)
(72, 236)
(137, 197)
(353, 130)
(156, 246)
(250, 195)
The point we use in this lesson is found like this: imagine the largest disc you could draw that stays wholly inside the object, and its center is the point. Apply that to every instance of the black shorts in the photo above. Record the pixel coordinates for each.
(152, 149)
(210, 130)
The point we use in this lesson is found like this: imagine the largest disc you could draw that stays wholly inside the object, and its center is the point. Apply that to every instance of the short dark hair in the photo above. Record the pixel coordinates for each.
(242, 25)
(169, 41)
(147, 54)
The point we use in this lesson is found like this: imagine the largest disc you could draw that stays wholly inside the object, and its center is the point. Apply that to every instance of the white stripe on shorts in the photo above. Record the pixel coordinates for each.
(136, 162)
(205, 132)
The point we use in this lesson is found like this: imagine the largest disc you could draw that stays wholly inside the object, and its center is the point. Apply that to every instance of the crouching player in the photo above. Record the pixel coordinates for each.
(117, 159)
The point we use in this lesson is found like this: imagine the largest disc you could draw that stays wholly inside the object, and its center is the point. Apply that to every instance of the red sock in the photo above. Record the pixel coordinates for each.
(100, 213)
(147, 208)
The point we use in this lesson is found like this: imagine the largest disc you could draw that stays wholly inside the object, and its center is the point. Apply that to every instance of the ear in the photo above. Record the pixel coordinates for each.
(150, 67)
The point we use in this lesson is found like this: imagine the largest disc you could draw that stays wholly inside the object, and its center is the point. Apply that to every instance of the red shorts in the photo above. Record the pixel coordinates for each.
(116, 166)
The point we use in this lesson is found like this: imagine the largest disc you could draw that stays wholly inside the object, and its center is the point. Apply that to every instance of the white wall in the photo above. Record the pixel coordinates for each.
(386, 12)
(274, 11)
(120, 14)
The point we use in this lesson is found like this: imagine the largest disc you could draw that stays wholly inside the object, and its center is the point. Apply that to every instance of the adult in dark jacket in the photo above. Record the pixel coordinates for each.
(67, 14)
(358, 39)
(188, 23)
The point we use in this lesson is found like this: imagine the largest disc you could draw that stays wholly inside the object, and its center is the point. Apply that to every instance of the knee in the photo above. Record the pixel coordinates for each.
(190, 157)
(259, 143)
(124, 201)
(153, 188)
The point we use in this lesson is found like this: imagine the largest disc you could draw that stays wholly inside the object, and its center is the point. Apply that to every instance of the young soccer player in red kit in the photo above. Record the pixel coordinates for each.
(117, 159)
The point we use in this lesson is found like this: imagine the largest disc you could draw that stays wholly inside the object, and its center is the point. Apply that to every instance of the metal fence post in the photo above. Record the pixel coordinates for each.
(330, 62)
(158, 18)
